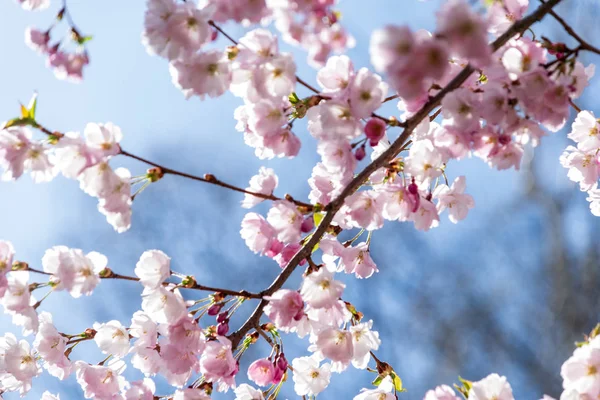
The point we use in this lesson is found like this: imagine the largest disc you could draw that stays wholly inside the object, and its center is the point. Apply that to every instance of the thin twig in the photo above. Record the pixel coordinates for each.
(209, 178)
(584, 44)
(109, 274)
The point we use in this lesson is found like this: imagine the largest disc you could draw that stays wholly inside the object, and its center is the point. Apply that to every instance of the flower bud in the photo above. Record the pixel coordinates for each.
(375, 129)
(214, 309)
(222, 329)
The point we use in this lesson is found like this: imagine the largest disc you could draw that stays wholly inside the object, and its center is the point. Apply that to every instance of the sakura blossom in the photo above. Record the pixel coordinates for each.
(483, 85)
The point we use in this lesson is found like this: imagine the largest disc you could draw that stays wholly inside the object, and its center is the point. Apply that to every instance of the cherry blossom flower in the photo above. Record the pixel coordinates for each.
(320, 290)
(37, 40)
(18, 364)
(141, 390)
(51, 346)
(112, 338)
(585, 132)
(364, 340)
(217, 363)
(74, 271)
(190, 394)
(581, 371)
(385, 391)
(258, 233)
(454, 199)
(100, 382)
(364, 210)
(265, 183)
(367, 92)
(492, 387)
(247, 392)
(164, 304)
(285, 218)
(442, 392)
(332, 120)
(201, 74)
(583, 166)
(261, 372)
(104, 138)
(174, 30)
(310, 378)
(19, 154)
(7, 252)
(153, 268)
(465, 31)
(49, 396)
(285, 307)
(336, 75)
(34, 5)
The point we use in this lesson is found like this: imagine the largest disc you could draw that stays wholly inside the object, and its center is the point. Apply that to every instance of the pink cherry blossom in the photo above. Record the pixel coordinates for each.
(261, 372)
(100, 382)
(164, 304)
(285, 218)
(581, 371)
(202, 74)
(18, 364)
(51, 346)
(585, 131)
(333, 120)
(258, 233)
(141, 390)
(385, 391)
(74, 271)
(37, 40)
(285, 308)
(153, 268)
(442, 392)
(217, 363)
(320, 290)
(454, 199)
(247, 392)
(336, 75)
(112, 338)
(364, 210)
(34, 5)
(465, 31)
(492, 387)
(190, 394)
(103, 138)
(364, 340)
(265, 183)
(583, 166)
(174, 30)
(367, 92)
(310, 378)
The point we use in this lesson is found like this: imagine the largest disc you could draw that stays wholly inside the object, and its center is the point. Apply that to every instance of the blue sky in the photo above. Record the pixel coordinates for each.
(198, 225)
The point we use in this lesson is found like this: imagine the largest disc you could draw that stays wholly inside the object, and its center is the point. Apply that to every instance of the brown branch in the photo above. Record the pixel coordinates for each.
(107, 273)
(584, 45)
(333, 207)
(210, 178)
(575, 106)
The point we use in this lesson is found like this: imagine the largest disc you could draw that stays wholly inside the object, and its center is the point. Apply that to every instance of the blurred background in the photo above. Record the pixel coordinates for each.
(508, 290)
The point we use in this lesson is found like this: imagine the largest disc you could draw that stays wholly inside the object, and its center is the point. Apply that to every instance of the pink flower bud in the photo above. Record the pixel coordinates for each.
(282, 363)
(360, 153)
(222, 329)
(214, 309)
(307, 225)
(375, 129)
(222, 317)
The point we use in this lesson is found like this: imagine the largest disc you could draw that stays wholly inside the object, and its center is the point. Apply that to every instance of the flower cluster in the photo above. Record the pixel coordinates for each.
(582, 161)
(76, 157)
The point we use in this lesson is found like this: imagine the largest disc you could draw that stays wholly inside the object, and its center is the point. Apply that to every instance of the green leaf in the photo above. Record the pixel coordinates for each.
(318, 217)
(20, 122)
(32, 106)
(84, 39)
(397, 383)
(378, 380)
(294, 98)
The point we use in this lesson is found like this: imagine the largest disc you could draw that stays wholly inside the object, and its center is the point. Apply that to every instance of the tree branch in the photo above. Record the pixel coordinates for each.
(332, 208)
(210, 178)
(584, 45)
